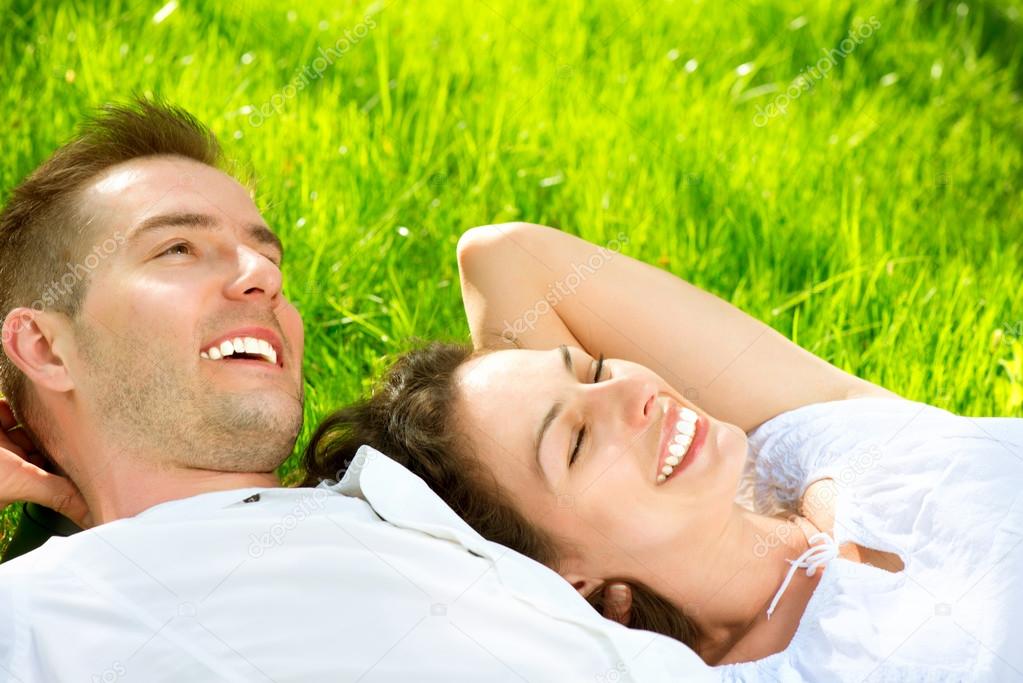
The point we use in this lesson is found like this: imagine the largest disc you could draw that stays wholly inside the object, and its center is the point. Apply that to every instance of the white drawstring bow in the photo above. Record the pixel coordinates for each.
(814, 556)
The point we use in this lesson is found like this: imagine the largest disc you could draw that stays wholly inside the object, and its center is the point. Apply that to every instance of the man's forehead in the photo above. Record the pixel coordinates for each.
(163, 170)
(136, 189)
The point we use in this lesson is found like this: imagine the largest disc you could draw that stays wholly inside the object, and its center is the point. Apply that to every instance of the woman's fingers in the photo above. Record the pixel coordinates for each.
(20, 480)
(12, 442)
(618, 603)
(6, 415)
(20, 439)
(70, 503)
(8, 423)
(7, 444)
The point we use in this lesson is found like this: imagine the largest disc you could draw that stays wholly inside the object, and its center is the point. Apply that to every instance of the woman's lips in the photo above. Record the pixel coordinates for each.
(672, 412)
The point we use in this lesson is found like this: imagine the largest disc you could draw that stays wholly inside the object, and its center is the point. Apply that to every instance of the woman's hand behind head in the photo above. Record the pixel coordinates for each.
(23, 477)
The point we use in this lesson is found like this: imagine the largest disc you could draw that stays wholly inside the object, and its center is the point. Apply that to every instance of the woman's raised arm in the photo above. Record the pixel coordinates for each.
(543, 287)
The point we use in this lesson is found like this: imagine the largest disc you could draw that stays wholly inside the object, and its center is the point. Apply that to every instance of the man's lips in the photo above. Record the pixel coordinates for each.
(250, 363)
(259, 333)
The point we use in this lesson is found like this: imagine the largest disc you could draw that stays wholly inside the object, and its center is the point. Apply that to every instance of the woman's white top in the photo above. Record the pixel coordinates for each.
(945, 493)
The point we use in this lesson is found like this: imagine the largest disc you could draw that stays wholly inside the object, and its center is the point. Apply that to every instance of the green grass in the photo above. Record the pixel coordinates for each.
(877, 222)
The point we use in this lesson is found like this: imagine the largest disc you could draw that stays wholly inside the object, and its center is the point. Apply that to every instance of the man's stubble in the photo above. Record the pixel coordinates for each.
(148, 406)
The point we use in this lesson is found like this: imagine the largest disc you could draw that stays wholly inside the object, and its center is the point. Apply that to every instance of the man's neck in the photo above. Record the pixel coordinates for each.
(120, 478)
(130, 492)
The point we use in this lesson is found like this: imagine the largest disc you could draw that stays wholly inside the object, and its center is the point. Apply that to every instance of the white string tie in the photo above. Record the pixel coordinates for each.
(814, 557)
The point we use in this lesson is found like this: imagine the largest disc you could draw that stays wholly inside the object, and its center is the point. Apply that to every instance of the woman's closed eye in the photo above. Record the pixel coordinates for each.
(582, 431)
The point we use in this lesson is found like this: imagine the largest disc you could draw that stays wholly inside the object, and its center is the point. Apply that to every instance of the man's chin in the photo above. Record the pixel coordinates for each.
(265, 414)
(249, 445)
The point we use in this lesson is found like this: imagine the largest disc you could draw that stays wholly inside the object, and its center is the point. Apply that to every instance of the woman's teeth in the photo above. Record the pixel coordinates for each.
(685, 428)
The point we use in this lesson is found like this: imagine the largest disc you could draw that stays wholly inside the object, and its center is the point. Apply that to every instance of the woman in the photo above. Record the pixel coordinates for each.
(633, 467)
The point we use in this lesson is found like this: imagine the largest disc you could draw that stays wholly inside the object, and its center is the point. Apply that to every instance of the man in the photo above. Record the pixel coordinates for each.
(103, 333)
(151, 357)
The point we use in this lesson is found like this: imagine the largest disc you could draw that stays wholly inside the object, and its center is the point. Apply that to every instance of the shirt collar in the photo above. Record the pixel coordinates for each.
(403, 499)
(196, 506)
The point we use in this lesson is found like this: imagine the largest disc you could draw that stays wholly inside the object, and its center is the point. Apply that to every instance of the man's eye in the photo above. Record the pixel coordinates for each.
(179, 245)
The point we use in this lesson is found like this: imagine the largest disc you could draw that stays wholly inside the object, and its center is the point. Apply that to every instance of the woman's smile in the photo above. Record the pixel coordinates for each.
(683, 433)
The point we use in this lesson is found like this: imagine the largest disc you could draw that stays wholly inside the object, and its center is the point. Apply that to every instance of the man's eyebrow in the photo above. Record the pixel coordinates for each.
(202, 221)
(555, 410)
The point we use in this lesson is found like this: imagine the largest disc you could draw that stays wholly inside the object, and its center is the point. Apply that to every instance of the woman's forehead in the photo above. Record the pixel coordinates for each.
(488, 370)
(506, 391)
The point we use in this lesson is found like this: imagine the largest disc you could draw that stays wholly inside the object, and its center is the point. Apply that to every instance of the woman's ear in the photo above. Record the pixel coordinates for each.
(584, 584)
(613, 600)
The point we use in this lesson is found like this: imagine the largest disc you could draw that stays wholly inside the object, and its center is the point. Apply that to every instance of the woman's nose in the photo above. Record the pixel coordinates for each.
(630, 398)
(648, 406)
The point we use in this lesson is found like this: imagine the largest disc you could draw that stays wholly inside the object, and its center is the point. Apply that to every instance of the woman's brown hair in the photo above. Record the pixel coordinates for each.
(410, 418)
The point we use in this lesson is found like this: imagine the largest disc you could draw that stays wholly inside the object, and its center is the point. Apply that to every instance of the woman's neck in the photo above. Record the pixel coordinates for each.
(746, 574)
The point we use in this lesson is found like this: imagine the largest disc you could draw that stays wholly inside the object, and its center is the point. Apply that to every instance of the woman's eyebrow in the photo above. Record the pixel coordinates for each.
(566, 357)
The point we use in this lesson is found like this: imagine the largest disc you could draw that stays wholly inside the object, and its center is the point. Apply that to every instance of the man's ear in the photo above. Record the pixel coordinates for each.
(31, 339)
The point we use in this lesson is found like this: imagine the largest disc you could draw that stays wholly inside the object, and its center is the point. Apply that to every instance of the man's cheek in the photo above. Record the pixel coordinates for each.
(296, 331)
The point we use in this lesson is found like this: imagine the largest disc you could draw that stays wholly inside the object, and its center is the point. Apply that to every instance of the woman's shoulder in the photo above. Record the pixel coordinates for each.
(866, 415)
(873, 391)
(855, 418)
(794, 448)
(865, 400)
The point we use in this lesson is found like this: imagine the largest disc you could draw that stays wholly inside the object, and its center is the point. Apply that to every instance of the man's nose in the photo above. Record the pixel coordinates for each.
(255, 277)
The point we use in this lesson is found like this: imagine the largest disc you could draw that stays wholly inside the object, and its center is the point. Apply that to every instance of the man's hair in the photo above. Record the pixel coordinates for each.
(44, 252)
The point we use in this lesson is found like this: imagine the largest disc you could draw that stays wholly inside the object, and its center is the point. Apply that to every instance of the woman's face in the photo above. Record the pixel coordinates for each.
(606, 502)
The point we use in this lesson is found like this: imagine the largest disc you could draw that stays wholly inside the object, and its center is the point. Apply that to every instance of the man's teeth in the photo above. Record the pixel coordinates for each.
(685, 428)
(247, 345)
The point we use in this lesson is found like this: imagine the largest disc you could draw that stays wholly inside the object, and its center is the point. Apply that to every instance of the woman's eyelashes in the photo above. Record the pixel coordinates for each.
(582, 431)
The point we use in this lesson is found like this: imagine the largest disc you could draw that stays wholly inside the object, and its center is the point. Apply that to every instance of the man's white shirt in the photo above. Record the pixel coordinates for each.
(370, 579)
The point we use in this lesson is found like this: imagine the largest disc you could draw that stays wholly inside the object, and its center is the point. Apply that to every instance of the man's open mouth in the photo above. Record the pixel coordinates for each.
(242, 348)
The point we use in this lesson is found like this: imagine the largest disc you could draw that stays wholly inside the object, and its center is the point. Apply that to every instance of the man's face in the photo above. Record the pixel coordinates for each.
(155, 362)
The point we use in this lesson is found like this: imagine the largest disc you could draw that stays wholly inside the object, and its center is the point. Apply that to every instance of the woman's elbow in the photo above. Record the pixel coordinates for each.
(480, 244)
